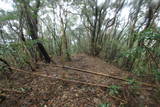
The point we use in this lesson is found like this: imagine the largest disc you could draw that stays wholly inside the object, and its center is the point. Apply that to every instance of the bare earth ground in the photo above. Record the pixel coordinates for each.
(26, 90)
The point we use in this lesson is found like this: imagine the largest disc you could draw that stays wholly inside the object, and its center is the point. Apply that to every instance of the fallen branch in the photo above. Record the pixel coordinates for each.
(91, 72)
(57, 78)
(101, 74)
(117, 98)
(9, 90)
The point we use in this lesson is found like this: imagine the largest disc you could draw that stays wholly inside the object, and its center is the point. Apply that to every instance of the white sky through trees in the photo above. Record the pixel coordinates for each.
(7, 6)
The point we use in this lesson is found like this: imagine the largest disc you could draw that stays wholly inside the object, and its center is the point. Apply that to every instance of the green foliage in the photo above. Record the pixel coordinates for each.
(144, 55)
(132, 82)
(5, 72)
(149, 34)
(3, 68)
(16, 53)
(114, 89)
(157, 74)
(8, 16)
(105, 105)
(134, 85)
(134, 52)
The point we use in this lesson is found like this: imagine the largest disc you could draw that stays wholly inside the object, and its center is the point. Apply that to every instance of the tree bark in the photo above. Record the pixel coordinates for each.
(32, 23)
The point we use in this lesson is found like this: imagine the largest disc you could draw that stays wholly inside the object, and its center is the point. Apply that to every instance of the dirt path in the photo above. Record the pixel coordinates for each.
(46, 92)
(85, 62)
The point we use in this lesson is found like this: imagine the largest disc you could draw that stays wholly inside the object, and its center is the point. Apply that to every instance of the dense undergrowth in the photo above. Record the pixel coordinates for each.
(140, 59)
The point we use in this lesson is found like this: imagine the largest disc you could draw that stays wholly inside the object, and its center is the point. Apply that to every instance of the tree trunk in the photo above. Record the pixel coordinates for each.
(32, 23)
(43, 52)
(64, 48)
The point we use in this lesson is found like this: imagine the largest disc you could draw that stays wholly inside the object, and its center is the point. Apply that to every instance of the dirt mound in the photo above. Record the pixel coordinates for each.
(32, 90)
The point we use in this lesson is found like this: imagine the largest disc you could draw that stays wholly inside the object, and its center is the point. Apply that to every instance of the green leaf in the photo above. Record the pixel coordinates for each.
(105, 105)
(8, 16)
(114, 89)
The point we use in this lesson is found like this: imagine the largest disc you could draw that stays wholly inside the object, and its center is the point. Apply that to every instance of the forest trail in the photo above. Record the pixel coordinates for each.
(85, 62)
(35, 91)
